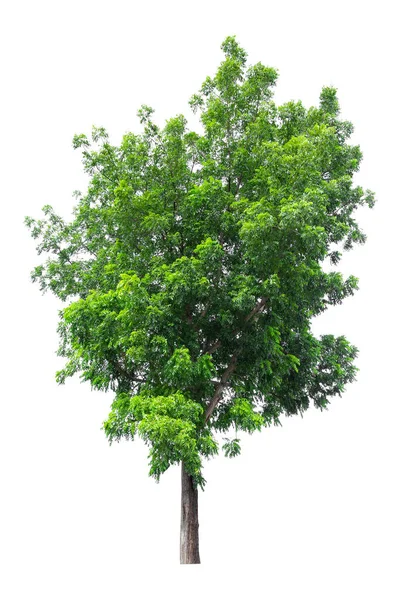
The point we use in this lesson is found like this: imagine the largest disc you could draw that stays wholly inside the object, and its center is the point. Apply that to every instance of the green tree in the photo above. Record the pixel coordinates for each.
(194, 264)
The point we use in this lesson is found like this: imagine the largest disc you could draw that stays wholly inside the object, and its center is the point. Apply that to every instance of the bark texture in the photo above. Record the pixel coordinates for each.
(190, 553)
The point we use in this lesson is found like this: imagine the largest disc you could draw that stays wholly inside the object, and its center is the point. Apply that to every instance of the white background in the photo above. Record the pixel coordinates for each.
(309, 510)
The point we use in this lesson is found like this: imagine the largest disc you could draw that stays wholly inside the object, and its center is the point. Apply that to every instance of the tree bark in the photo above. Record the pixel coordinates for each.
(190, 553)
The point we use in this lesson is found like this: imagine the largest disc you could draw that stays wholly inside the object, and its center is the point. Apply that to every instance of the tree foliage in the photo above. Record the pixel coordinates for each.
(195, 262)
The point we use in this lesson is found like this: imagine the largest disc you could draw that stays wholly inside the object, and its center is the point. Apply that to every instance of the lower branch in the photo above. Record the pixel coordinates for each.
(220, 387)
(232, 365)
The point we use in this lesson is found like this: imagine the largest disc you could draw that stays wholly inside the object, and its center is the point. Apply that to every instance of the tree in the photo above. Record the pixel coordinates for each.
(194, 264)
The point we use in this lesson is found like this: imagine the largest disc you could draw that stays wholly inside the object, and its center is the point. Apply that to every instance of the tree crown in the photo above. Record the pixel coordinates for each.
(194, 264)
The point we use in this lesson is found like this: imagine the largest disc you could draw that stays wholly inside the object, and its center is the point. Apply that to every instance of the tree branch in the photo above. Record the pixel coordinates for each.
(232, 365)
(257, 309)
(239, 184)
(213, 347)
(220, 387)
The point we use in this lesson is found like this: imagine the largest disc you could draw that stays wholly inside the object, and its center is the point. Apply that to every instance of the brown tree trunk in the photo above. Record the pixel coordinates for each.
(190, 553)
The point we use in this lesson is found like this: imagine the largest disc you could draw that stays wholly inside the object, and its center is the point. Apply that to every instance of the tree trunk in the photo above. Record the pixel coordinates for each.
(189, 521)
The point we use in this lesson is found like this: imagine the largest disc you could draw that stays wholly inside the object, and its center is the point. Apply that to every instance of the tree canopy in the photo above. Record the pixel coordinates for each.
(194, 264)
